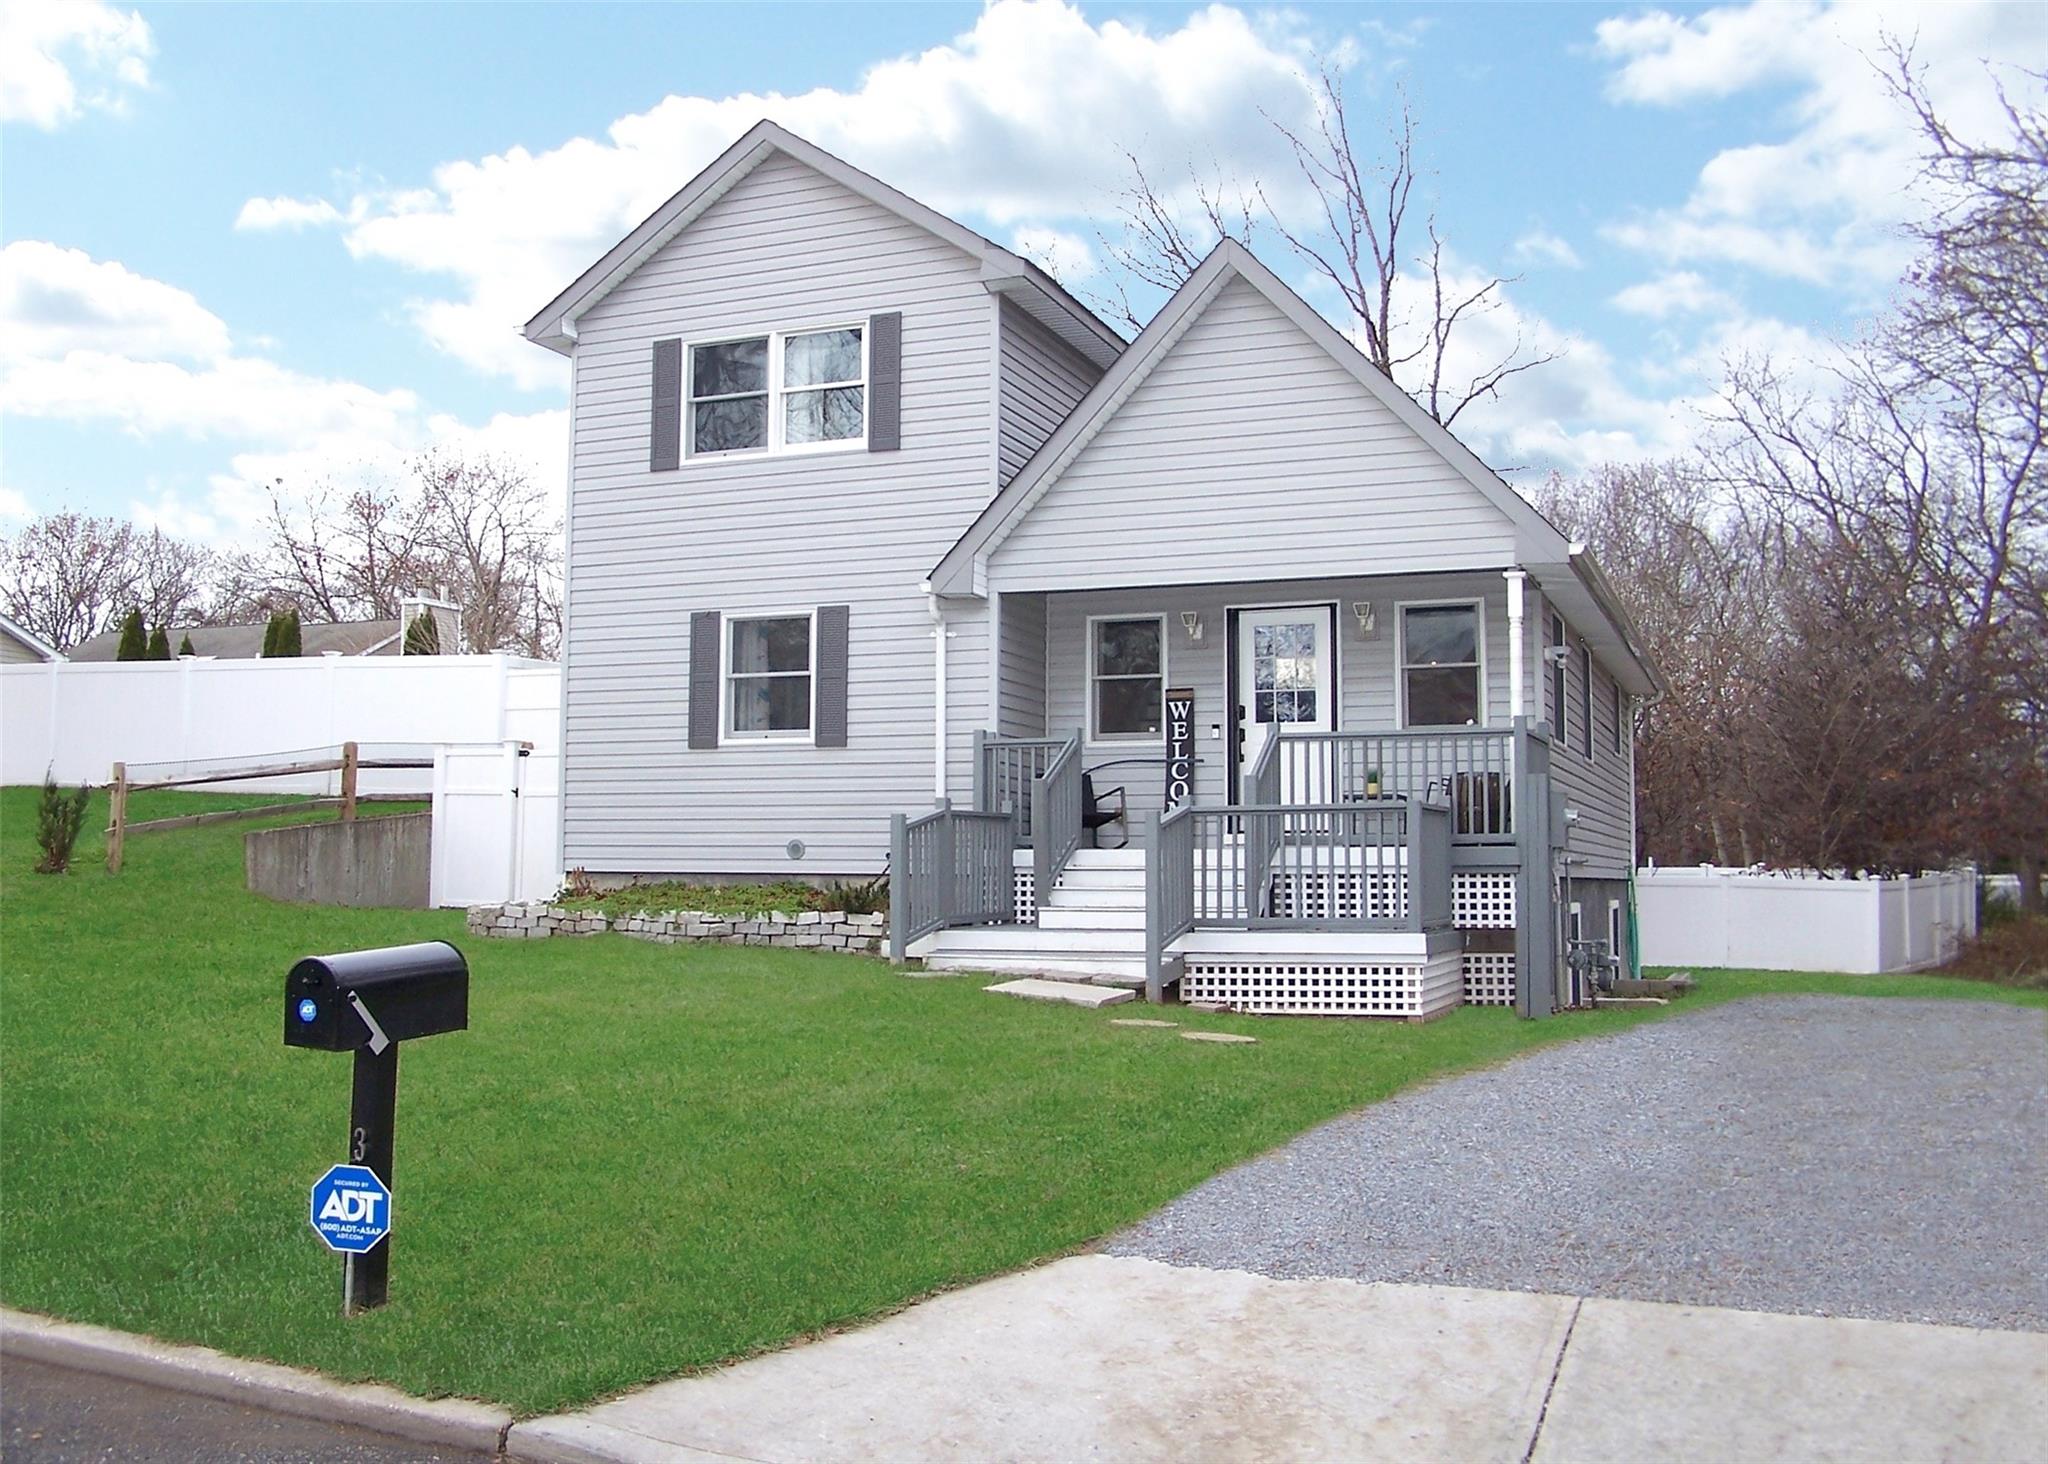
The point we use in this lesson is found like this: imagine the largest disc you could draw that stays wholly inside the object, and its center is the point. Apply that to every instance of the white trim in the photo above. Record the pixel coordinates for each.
(1517, 581)
(1558, 676)
(1401, 609)
(727, 737)
(1614, 931)
(776, 393)
(1108, 740)
(1233, 730)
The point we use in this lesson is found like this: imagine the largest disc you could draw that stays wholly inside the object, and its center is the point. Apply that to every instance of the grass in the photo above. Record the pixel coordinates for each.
(641, 1159)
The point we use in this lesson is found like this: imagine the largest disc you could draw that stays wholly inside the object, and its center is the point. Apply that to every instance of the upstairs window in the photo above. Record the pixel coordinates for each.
(768, 673)
(795, 391)
(1440, 665)
(1127, 676)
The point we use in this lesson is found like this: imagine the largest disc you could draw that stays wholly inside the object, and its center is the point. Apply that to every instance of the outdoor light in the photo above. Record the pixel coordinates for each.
(1366, 619)
(1191, 622)
(1556, 655)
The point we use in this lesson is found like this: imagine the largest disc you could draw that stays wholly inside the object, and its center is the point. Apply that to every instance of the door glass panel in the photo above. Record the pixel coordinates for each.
(1284, 672)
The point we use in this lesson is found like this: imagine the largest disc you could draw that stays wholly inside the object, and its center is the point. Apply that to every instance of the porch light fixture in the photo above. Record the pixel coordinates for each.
(1191, 622)
(1363, 610)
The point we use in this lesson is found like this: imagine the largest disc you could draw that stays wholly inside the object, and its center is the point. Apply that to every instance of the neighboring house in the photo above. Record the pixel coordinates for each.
(879, 541)
(342, 638)
(20, 646)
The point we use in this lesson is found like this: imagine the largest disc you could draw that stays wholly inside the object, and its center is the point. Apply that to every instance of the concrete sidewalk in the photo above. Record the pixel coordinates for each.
(1100, 1357)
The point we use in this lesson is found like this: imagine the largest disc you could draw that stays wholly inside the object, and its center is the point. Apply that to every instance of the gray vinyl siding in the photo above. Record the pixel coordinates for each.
(1022, 699)
(1602, 787)
(785, 248)
(1249, 445)
(16, 652)
(1365, 672)
(1042, 379)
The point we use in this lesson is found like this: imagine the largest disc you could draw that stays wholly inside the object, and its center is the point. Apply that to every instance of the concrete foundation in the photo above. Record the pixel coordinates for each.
(363, 861)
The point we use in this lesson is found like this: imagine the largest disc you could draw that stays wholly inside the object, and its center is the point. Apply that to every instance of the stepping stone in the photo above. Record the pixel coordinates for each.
(1073, 993)
(1139, 1022)
(1217, 1037)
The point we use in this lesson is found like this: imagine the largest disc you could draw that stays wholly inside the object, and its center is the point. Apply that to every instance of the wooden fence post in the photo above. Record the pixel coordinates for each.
(117, 826)
(348, 781)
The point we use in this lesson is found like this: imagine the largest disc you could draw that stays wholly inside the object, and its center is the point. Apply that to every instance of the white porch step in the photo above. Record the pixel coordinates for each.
(1115, 877)
(1063, 916)
(1092, 897)
(1011, 939)
(1073, 993)
(1127, 973)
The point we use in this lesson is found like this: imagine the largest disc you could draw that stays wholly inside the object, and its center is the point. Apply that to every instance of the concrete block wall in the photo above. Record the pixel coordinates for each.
(818, 930)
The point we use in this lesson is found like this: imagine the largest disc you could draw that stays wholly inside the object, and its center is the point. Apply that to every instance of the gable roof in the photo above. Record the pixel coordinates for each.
(1562, 569)
(1003, 272)
(15, 630)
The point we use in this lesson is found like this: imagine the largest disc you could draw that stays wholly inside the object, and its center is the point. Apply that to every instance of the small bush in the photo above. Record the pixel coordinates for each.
(185, 646)
(860, 897)
(59, 817)
(160, 644)
(134, 644)
(423, 636)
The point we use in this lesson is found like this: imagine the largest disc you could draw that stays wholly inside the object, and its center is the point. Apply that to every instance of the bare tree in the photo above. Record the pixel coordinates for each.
(1407, 307)
(70, 576)
(493, 543)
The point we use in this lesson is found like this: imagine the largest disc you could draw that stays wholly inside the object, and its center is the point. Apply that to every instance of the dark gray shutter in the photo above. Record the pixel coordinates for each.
(831, 632)
(885, 382)
(704, 699)
(665, 447)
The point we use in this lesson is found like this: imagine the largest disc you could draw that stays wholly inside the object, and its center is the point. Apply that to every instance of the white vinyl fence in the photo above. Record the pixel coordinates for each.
(79, 719)
(1744, 918)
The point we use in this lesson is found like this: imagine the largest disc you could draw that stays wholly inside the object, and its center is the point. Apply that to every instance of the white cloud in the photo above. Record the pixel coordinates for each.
(59, 60)
(14, 507)
(1021, 120)
(286, 213)
(1539, 246)
(1822, 200)
(93, 344)
(1676, 292)
(55, 300)
(1067, 257)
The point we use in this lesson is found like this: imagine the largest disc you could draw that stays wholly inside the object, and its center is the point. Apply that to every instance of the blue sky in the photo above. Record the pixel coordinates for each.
(245, 243)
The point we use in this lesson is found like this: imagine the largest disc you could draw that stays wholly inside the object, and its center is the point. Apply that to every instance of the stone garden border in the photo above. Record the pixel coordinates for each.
(828, 930)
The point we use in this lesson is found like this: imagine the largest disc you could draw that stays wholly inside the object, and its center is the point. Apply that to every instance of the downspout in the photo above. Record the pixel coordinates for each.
(940, 635)
(1516, 579)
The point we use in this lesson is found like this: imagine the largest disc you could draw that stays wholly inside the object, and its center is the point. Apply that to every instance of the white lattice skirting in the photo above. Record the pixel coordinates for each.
(1483, 899)
(1490, 978)
(1027, 897)
(1325, 987)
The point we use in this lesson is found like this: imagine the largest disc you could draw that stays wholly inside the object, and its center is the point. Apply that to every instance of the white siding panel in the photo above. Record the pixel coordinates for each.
(1248, 451)
(785, 248)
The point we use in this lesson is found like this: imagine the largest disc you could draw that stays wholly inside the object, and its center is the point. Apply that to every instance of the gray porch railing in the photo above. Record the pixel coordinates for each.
(1319, 866)
(1056, 814)
(1470, 768)
(1004, 768)
(1169, 889)
(952, 866)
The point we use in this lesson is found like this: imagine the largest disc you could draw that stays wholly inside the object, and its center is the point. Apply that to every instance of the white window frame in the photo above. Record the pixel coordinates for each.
(1401, 609)
(727, 734)
(1125, 739)
(777, 393)
(1614, 931)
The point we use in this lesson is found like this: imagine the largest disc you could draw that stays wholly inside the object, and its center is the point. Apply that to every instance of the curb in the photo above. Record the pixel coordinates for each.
(563, 1438)
(455, 1422)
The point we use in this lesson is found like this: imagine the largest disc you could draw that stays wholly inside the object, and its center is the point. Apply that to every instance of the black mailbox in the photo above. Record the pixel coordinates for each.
(373, 998)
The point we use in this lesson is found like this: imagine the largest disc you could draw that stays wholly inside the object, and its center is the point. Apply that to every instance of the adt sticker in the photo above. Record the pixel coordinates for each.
(308, 1008)
(351, 1208)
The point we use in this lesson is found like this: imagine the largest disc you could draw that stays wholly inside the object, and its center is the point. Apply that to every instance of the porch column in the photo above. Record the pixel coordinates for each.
(1516, 698)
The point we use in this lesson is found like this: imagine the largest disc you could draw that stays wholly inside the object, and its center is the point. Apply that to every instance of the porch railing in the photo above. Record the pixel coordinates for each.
(1004, 768)
(1169, 889)
(1056, 814)
(1382, 864)
(1470, 768)
(952, 866)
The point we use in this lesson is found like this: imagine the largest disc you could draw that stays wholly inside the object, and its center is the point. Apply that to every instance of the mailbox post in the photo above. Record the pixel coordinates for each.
(368, 1002)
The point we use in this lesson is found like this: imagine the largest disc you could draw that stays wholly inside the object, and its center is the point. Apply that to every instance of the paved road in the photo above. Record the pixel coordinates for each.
(53, 1415)
(1824, 1155)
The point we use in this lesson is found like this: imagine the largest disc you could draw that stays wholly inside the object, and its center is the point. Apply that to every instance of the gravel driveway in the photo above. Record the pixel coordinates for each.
(1832, 1155)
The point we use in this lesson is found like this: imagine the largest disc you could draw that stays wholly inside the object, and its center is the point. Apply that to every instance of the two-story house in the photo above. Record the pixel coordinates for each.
(882, 548)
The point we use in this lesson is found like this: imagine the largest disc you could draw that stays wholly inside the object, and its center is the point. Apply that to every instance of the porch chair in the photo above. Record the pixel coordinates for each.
(1096, 812)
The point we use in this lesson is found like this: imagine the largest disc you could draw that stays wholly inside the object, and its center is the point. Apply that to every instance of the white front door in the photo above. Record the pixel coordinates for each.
(1284, 680)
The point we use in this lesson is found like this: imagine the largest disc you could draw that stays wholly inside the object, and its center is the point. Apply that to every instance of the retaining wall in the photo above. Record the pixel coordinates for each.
(364, 861)
(826, 930)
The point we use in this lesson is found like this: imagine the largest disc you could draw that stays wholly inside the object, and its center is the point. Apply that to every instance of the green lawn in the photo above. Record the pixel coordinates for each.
(641, 1159)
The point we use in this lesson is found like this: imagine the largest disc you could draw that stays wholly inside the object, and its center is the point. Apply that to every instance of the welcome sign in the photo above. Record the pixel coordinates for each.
(1180, 746)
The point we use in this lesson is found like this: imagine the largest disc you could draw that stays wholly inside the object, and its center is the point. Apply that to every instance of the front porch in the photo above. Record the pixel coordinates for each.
(1372, 874)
